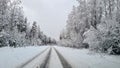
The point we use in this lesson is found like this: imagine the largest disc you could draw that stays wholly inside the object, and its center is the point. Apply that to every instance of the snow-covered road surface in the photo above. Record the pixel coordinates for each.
(64, 62)
(83, 58)
(45, 63)
(55, 57)
(54, 61)
(36, 61)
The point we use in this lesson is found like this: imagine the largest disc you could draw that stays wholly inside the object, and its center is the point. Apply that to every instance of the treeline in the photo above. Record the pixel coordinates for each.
(94, 24)
(15, 30)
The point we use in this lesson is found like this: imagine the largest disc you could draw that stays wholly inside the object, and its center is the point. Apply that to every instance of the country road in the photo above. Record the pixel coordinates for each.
(59, 33)
(55, 57)
(47, 62)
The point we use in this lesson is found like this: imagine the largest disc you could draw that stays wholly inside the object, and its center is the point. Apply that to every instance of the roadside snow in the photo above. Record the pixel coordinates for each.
(82, 58)
(13, 57)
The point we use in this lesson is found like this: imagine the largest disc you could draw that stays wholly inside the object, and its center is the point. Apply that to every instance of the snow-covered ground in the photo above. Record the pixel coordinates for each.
(83, 58)
(76, 58)
(13, 57)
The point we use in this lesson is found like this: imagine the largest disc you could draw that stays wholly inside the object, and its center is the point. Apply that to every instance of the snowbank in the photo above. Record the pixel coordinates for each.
(13, 57)
(85, 59)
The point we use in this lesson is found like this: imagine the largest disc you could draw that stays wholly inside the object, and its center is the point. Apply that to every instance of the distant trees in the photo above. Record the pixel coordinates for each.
(33, 30)
(14, 27)
(95, 23)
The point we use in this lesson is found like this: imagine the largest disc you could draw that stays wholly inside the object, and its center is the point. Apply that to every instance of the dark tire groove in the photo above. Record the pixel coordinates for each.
(46, 61)
(63, 60)
(26, 63)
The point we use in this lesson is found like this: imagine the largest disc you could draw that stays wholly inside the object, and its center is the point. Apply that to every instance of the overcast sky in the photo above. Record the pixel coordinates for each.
(51, 15)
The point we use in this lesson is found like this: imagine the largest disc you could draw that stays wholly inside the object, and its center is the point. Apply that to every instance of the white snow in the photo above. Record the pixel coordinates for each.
(54, 60)
(78, 58)
(83, 58)
(13, 57)
(38, 60)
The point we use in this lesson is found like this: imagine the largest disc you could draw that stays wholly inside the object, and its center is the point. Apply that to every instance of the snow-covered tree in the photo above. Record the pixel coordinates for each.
(77, 24)
(93, 23)
(4, 13)
(14, 27)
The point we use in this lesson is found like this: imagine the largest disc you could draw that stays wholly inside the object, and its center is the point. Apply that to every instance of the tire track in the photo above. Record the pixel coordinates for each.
(45, 64)
(63, 60)
(26, 63)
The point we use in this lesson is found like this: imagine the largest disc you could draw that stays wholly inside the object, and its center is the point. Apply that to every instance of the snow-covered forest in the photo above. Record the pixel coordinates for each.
(94, 24)
(90, 39)
(15, 30)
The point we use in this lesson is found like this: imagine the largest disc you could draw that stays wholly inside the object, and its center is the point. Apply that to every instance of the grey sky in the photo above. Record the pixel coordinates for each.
(51, 15)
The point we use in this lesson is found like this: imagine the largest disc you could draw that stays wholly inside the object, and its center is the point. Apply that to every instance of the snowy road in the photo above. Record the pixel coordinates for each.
(33, 62)
(48, 58)
(64, 62)
(56, 57)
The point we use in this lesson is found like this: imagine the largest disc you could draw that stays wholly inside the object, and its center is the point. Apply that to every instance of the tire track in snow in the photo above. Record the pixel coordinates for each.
(26, 63)
(63, 60)
(45, 64)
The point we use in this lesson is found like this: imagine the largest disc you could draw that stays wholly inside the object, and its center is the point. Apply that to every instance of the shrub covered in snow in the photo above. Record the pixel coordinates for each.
(111, 46)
